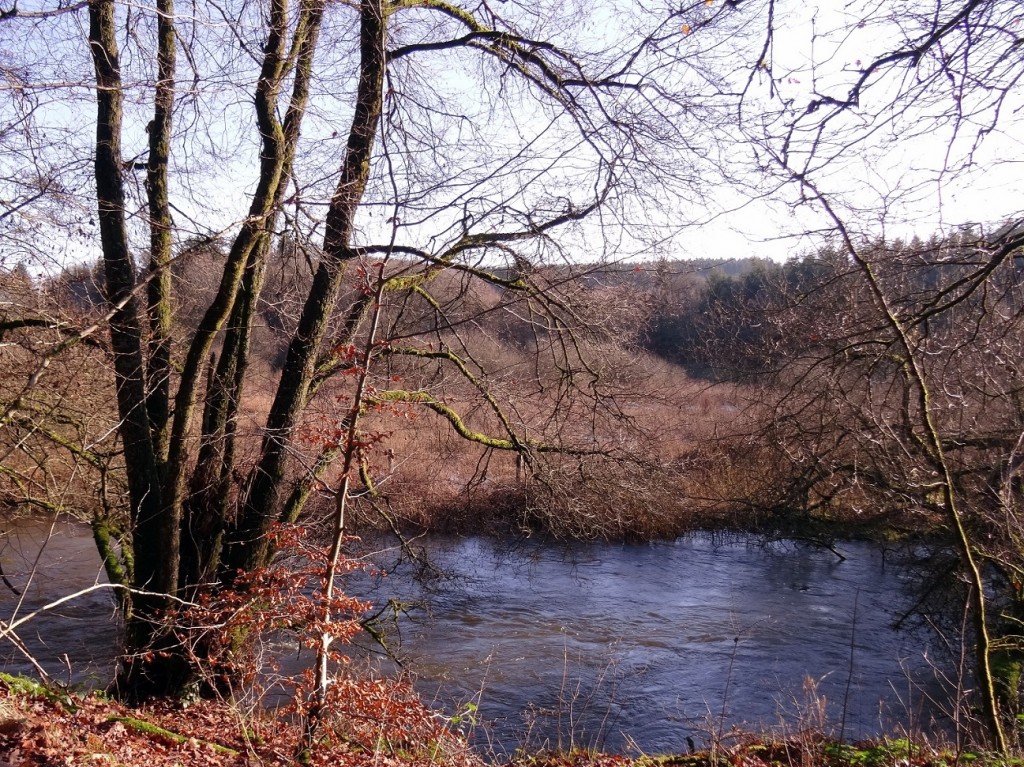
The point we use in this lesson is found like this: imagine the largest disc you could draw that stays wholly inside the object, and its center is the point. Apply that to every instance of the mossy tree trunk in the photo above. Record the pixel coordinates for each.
(155, 574)
(247, 546)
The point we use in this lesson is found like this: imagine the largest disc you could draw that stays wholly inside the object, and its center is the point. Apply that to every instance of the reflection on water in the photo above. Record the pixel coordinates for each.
(647, 644)
(46, 561)
(612, 645)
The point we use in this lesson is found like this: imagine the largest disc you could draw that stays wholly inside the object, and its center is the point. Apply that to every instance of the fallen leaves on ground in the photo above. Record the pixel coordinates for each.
(38, 728)
(94, 730)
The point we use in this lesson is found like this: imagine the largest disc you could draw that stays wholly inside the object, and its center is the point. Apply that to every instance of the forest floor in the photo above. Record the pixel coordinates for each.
(389, 729)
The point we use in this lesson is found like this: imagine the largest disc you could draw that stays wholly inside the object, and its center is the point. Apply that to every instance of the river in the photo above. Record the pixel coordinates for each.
(616, 646)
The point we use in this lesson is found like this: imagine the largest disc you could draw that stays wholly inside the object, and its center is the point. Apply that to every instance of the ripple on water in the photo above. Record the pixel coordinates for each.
(665, 634)
(645, 644)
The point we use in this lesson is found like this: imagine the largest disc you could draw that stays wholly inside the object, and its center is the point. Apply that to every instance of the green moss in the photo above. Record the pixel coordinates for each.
(148, 728)
(425, 399)
(24, 686)
(411, 282)
(673, 760)
(104, 537)
(1006, 668)
(20, 685)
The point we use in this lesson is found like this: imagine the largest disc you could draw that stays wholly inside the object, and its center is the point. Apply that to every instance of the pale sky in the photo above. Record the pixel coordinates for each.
(818, 48)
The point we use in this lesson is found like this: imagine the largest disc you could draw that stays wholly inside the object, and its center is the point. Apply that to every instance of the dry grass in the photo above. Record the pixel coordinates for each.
(659, 453)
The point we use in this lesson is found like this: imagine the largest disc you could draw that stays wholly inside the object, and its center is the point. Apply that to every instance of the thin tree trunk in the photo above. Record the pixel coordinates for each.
(350, 450)
(247, 546)
(206, 507)
(160, 241)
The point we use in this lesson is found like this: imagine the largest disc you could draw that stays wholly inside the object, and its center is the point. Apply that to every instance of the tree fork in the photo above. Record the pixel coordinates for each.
(248, 546)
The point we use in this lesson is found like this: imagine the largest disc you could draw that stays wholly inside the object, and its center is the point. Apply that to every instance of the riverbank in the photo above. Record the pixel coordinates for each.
(382, 725)
(618, 510)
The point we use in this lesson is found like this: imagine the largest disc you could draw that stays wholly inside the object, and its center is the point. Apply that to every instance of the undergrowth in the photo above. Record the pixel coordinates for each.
(373, 722)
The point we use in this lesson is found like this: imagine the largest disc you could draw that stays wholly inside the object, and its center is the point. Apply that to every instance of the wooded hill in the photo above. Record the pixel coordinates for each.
(719, 381)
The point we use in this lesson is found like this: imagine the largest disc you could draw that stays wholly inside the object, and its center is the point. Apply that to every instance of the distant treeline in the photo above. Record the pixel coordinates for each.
(748, 321)
(720, 319)
(725, 327)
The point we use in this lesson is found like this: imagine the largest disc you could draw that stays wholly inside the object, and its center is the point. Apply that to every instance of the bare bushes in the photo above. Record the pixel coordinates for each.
(658, 478)
(626, 472)
(601, 500)
(605, 499)
(58, 453)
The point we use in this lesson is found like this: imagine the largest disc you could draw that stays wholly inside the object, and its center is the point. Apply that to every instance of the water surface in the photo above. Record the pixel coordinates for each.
(645, 645)
(617, 646)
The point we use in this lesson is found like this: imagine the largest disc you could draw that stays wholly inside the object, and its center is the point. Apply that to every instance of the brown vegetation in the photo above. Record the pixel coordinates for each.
(377, 723)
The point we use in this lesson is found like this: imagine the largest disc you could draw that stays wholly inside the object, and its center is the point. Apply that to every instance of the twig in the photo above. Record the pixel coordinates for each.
(7, 632)
(7, 629)
(849, 671)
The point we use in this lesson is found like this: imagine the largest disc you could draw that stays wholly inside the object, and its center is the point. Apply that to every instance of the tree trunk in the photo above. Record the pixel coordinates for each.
(160, 241)
(247, 544)
(206, 508)
(154, 540)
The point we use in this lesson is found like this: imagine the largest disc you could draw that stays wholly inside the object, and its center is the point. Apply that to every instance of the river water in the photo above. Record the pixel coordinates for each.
(617, 646)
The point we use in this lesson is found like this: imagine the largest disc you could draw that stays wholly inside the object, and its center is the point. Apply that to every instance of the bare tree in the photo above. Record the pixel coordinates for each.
(466, 145)
(882, 117)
